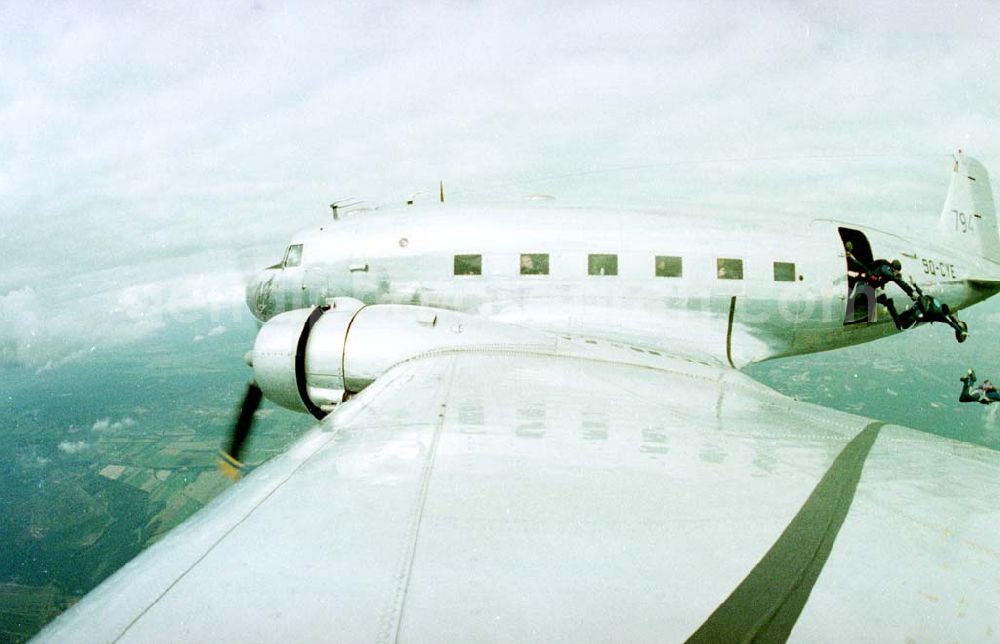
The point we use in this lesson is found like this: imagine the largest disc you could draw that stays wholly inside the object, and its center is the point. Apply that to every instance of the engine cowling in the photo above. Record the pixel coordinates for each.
(310, 360)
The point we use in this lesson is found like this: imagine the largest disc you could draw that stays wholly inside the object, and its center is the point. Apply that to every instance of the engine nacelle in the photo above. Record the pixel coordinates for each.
(310, 360)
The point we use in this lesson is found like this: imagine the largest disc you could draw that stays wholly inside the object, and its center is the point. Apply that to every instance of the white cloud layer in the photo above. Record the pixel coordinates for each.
(45, 330)
(153, 156)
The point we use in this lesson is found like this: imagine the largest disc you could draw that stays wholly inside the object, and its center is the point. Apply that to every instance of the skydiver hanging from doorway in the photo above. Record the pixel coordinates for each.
(877, 276)
(880, 273)
(985, 393)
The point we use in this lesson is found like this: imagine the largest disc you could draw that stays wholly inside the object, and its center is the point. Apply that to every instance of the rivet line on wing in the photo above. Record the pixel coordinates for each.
(392, 618)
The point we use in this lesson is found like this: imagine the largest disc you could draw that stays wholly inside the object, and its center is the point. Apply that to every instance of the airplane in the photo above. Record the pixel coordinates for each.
(533, 426)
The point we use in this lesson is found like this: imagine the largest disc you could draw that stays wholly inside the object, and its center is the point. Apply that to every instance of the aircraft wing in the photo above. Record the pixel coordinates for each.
(496, 497)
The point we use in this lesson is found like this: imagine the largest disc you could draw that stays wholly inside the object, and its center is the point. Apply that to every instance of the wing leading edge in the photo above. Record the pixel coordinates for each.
(505, 497)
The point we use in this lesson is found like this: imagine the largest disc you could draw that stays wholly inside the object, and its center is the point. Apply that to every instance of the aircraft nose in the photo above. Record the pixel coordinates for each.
(258, 295)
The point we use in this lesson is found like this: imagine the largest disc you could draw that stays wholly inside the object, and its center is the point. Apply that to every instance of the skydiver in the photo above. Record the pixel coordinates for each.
(985, 393)
(929, 309)
(877, 276)
(880, 273)
(883, 271)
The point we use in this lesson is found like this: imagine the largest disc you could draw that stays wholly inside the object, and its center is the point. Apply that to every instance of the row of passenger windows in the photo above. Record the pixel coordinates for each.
(726, 268)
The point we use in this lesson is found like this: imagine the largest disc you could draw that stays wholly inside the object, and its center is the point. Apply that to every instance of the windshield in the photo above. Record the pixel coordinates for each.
(293, 256)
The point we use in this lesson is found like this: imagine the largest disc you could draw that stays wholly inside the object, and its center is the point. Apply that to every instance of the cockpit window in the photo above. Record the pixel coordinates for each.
(293, 256)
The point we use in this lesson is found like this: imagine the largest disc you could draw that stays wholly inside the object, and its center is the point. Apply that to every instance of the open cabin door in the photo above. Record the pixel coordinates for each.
(861, 306)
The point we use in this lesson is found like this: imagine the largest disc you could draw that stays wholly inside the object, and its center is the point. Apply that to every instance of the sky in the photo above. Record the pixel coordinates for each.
(154, 155)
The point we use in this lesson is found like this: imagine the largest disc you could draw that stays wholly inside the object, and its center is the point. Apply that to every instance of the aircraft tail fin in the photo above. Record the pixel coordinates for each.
(969, 219)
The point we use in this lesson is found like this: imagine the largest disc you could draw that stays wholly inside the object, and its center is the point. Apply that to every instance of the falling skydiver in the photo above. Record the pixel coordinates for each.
(985, 393)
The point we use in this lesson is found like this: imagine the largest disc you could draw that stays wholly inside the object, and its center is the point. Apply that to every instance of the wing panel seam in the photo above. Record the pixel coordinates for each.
(392, 619)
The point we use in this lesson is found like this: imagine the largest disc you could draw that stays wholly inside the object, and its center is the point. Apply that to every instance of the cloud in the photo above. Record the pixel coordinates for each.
(250, 124)
(73, 448)
(52, 365)
(20, 322)
(36, 333)
(214, 331)
(106, 424)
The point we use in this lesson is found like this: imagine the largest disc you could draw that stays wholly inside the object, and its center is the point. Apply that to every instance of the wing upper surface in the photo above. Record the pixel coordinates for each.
(493, 496)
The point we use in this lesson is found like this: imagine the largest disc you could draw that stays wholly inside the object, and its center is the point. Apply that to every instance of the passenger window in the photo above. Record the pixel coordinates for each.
(468, 264)
(728, 268)
(293, 256)
(534, 264)
(602, 264)
(784, 272)
(669, 266)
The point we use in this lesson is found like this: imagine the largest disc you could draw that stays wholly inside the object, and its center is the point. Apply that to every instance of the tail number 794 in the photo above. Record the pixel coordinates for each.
(963, 222)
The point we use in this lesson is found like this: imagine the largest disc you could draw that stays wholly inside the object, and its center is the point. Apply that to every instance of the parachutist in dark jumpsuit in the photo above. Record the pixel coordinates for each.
(877, 276)
(985, 393)
(882, 272)
(929, 309)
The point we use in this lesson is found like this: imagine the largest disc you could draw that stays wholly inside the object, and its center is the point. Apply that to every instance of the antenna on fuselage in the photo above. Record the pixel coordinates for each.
(344, 205)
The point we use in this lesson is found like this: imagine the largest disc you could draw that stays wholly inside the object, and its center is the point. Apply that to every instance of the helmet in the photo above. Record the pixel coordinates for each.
(945, 309)
(896, 266)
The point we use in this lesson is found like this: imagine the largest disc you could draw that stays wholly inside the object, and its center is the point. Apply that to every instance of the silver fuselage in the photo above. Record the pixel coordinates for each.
(408, 256)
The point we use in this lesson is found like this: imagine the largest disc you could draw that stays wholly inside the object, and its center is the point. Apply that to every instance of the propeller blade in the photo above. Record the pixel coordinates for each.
(229, 462)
